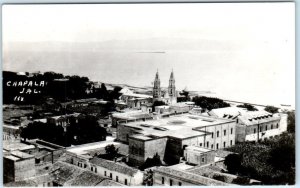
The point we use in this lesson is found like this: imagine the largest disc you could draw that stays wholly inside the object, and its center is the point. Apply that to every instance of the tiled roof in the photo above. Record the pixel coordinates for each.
(24, 183)
(86, 178)
(114, 166)
(255, 117)
(108, 182)
(188, 177)
(63, 172)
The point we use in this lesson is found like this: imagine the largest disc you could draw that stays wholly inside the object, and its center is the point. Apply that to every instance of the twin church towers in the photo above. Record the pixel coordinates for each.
(169, 96)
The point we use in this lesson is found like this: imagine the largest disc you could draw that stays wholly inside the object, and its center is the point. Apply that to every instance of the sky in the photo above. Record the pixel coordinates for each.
(240, 51)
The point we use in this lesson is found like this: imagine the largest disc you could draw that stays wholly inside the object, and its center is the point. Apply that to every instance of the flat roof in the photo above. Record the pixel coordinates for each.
(21, 155)
(198, 149)
(11, 146)
(178, 126)
(95, 147)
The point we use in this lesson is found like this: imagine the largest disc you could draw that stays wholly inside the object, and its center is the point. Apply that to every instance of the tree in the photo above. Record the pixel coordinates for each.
(291, 122)
(249, 107)
(271, 109)
(157, 103)
(209, 103)
(282, 155)
(111, 151)
(150, 162)
(185, 96)
(233, 163)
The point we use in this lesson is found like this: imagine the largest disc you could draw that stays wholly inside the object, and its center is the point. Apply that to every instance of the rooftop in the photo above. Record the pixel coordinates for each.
(16, 145)
(86, 178)
(131, 115)
(97, 147)
(171, 126)
(114, 166)
(198, 149)
(108, 182)
(21, 155)
(188, 177)
(255, 117)
(63, 172)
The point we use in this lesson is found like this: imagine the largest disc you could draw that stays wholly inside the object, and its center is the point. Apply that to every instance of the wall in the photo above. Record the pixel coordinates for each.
(157, 180)
(263, 131)
(123, 132)
(8, 170)
(174, 150)
(24, 169)
(136, 152)
(158, 146)
(213, 141)
(197, 158)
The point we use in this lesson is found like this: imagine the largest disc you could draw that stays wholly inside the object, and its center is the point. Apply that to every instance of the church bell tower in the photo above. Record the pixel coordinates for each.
(156, 88)
(171, 89)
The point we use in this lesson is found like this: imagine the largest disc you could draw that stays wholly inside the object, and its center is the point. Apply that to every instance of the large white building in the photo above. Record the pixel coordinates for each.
(250, 125)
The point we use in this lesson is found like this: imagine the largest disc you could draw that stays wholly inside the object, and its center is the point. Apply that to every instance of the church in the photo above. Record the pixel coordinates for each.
(168, 96)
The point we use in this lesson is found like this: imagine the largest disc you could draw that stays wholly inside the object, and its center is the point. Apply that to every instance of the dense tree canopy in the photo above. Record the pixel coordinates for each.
(249, 107)
(150, 162)
(233, 163)
(157, 103)
(209, 103)
(86, 130)
(271, 161)
(271, 109)
(291, 122)
(111, 151)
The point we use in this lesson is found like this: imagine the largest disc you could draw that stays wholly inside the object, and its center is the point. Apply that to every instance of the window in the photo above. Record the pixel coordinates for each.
(212, 135)
(207, 144)
(254, 130)
(117, 179)
(266, 127)
(277, 126)
(110, 175)
(104, 173)
(179, 183)
(200, 144)
(224, 144)
(230, 142)
(96, 169)
(217, 146)
(231, 131)
(224, 132)
(260, 129)
(217, 133)
(125, 181)
(272, 126)
(162, 180)
(212, 146)
(171, 182)
(92, 168)
(202, 159)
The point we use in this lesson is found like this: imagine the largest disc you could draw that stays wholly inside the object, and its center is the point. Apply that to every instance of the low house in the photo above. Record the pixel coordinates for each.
(18, 166)
(199, 156)
(117, 172)
(166, 176)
